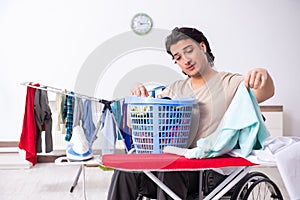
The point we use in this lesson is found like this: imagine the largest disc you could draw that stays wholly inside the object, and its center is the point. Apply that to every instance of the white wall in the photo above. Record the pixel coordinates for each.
(51, 41)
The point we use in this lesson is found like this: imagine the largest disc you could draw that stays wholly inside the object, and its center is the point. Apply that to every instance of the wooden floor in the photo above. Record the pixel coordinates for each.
(47, 181)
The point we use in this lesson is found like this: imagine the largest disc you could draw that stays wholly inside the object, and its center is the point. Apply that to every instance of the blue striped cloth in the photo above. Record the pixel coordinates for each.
(68, 115)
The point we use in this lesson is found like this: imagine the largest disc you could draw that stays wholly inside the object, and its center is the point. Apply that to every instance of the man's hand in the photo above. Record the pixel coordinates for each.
(140, 90)
(261, 83)
(256, 78)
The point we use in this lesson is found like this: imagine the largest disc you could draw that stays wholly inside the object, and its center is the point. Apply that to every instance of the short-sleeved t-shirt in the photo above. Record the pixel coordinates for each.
(213, 99)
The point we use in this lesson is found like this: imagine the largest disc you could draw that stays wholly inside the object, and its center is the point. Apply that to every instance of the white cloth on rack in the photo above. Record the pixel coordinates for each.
(96, 111)
(60, 99)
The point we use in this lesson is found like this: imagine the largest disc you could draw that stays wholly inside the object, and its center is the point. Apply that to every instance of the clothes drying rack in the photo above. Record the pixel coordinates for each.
(107, 105)
(65, 92)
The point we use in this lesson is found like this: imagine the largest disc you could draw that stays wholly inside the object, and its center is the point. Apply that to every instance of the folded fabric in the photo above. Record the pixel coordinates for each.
(241, 127)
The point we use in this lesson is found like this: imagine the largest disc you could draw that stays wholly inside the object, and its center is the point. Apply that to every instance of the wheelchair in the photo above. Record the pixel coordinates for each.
(253, 186)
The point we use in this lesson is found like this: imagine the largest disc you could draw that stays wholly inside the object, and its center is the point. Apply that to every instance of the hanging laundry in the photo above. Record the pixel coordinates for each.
(65, 111)
(60, 99)
(96, 111)
(97, 114)
(78, 112)
(117, 111)
(124, 128)
(28, 135)
(43, 117)
(88, 123)
(68, 115)
(108, 128)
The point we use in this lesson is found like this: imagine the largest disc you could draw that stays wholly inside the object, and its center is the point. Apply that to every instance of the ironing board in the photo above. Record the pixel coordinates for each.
(172, 162)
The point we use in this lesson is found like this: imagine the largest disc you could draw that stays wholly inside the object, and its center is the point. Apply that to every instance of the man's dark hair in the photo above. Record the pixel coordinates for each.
(188, 33)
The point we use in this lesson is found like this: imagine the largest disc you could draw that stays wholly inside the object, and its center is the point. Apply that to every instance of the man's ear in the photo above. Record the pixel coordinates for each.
(203, 46)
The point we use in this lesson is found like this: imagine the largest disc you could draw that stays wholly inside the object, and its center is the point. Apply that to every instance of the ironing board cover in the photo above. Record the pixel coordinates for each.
(168, 162)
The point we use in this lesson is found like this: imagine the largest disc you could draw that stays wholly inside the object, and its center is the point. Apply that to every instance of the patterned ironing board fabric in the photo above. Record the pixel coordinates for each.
(168, 162)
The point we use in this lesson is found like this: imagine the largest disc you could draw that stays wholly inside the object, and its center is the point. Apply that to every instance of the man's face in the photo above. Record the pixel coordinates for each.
(190, 56)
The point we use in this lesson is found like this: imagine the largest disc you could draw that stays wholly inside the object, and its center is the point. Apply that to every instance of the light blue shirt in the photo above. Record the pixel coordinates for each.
(241, 127)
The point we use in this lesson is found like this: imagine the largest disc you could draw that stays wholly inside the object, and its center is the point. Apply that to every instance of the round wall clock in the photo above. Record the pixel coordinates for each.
(141, 24)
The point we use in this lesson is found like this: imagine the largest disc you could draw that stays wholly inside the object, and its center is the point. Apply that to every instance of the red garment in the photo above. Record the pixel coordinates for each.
(28, 135)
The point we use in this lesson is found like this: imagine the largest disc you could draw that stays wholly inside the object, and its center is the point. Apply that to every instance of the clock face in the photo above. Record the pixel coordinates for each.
(141, 24)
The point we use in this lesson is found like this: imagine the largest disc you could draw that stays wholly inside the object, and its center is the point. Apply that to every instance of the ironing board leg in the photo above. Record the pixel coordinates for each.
(83, 175)
(76, 178)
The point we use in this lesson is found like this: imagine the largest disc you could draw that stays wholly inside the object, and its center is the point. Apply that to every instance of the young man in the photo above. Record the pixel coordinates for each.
(213, 91)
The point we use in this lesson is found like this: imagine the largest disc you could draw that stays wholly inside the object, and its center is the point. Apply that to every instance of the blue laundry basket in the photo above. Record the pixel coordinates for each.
(157, 123)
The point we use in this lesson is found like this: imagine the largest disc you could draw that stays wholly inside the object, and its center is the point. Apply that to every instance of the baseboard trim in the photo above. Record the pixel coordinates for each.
(9, 144)
(47, 158)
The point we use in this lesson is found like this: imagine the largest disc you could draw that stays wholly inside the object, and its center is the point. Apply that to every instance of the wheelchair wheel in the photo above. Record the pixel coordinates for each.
(256, 185)
(263, 189)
